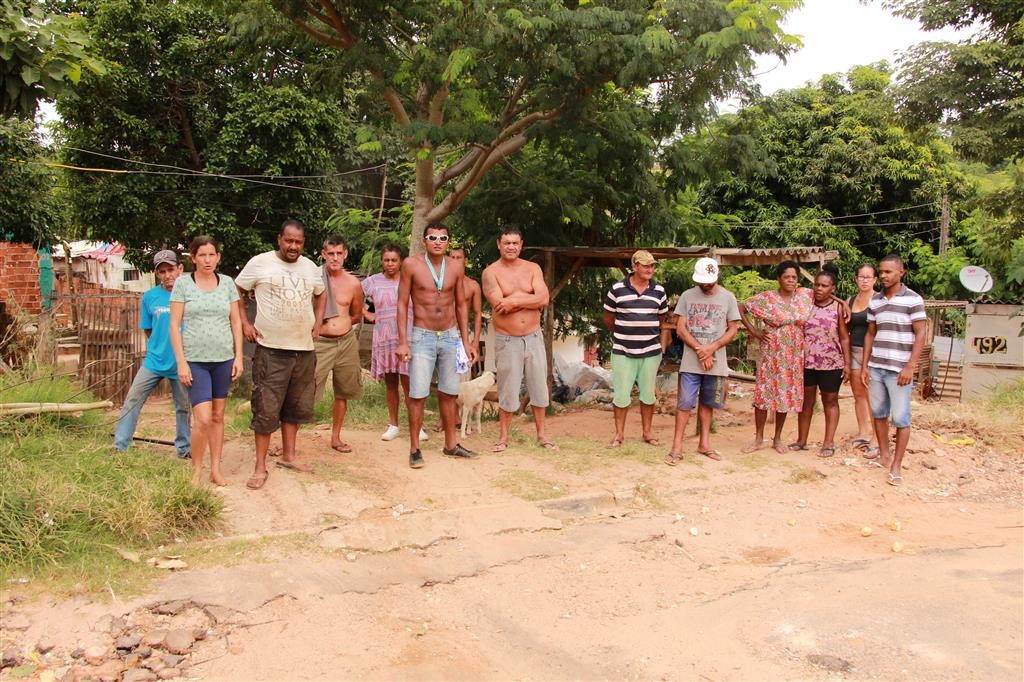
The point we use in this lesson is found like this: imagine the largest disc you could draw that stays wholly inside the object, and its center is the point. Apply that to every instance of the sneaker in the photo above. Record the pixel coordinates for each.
(416, 460)
(459, 451)
(391, 433)
(184, 455)
(424, 435)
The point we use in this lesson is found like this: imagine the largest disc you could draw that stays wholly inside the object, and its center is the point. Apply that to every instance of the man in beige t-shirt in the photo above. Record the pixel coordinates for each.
(287, 286)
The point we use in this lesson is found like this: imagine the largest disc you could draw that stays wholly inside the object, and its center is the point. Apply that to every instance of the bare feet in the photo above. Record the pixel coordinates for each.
(218, 481)
(341, 446)
(780, 447)
(754, 447)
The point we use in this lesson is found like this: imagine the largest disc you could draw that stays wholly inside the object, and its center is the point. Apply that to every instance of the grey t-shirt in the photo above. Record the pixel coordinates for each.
(707, 318)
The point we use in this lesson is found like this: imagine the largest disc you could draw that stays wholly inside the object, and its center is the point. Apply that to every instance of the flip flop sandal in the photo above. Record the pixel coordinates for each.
(673, 458)
(894, 480)
(797, 446)
(870, 453)
(826, 452)
(858, 443)
(711, 454)
(256, 481)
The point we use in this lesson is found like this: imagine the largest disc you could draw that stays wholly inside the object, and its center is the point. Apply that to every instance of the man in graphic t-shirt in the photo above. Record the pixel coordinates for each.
(287, 286)
(154, 320)
(708, 321)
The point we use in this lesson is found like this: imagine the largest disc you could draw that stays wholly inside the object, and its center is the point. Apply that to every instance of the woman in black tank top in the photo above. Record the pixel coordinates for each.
(858, 326)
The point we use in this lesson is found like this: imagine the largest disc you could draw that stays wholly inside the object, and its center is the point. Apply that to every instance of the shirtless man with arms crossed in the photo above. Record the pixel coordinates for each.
(435, 284)
(337, 348)
(517, 293)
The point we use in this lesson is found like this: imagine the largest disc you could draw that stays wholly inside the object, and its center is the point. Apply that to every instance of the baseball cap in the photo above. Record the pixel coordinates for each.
(705, 271)
(165, 256)
(642, 257)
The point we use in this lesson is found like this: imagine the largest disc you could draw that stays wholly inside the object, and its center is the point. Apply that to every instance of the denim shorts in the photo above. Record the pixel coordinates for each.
(710, 387)
(432, 349)
(887, 397)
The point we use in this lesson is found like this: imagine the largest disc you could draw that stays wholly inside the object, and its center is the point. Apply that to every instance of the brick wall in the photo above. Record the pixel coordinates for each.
(19, 278)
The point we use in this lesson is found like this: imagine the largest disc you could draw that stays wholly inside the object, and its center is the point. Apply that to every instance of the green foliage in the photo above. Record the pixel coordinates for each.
(828, 165)
(41, 56)
(995, 231)
(972, 88)
(217, 135)
(468, 84)
(66, 501)
(27, 202)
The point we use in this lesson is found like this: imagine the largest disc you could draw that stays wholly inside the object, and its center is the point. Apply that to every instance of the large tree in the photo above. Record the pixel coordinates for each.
(469, 83)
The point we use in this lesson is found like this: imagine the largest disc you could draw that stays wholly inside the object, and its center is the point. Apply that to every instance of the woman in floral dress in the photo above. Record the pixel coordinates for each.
(382, 290)
(826, 362)
(780, 372)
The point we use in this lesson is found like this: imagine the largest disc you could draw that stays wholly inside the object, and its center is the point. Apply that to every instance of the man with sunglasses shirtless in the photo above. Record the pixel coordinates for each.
(432, 286)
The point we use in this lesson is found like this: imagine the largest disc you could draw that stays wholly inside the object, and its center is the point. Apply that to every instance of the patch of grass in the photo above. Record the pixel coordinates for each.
(529, 486)
(646, 495)
(804, 475)
(67, 501)
(235, 552)
(753, 461)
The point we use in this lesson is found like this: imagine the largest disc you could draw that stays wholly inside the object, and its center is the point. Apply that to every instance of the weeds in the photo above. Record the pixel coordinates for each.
(67, 501)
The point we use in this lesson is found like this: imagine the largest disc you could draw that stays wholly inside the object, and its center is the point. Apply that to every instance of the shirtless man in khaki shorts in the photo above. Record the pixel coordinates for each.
(433, 282)
(337, 347)
(517, 293)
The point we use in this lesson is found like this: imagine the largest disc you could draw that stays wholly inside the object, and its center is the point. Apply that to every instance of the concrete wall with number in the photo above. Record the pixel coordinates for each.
(993, 347)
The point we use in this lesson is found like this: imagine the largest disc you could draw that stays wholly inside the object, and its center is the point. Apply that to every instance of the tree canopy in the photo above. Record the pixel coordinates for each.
(198, 132)
(470, 83)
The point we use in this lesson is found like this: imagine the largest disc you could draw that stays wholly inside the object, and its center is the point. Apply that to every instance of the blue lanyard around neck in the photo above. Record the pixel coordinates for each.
(438, 279)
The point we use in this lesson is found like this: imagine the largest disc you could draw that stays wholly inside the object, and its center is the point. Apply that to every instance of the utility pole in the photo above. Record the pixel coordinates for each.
(944, 225)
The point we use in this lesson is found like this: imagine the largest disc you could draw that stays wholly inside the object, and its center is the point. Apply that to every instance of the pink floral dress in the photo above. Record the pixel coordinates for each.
(384, 293)
(780, 372)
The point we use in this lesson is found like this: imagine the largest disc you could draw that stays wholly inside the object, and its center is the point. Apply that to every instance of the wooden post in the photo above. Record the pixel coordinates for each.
(549, 318)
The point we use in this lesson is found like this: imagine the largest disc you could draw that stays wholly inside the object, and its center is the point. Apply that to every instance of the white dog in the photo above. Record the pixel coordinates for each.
(471, 398)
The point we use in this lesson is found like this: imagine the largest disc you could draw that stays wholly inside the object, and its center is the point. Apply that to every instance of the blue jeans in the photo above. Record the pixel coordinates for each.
(430, 350)
(144, 384)
(886, 397)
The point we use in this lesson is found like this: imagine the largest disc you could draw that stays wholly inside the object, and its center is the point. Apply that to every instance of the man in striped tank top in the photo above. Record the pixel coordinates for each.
(633, 311)
(892, 347)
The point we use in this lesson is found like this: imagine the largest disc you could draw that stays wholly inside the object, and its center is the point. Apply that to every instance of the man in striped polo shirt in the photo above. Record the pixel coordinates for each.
(892, 347)
(633, 311)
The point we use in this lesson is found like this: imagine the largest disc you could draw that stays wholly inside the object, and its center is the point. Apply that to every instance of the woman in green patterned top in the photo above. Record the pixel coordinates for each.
(209, 351)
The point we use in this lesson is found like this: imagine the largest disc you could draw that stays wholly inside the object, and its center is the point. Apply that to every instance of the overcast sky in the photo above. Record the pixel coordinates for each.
(838, 34)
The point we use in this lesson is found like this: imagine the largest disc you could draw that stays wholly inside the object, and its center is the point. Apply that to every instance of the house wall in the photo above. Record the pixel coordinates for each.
(19, 278)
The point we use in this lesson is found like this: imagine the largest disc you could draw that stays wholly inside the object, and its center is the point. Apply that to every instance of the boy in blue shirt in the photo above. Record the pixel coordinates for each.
(159, 364)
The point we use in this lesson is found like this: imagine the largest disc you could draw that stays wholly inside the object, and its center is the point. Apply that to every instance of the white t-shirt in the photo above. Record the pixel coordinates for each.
(284, 299)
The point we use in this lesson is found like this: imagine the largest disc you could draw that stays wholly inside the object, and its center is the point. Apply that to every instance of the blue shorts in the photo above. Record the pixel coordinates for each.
(210, 381)
(711, 389)
(430, 350)
(887, 397)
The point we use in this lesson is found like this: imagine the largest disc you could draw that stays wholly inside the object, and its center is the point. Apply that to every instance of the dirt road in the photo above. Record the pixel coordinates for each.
(599, 563)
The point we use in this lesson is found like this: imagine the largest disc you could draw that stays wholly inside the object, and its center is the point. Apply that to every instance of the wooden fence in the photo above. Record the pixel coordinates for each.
(111, 344)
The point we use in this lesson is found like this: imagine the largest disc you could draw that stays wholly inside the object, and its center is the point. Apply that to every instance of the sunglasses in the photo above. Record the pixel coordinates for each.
(436, 238)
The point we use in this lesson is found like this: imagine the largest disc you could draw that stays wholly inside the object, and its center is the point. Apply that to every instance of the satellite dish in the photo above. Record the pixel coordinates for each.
(976, 279)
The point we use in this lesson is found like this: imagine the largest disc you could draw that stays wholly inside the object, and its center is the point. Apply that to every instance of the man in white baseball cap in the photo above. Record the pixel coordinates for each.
(708, 321)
